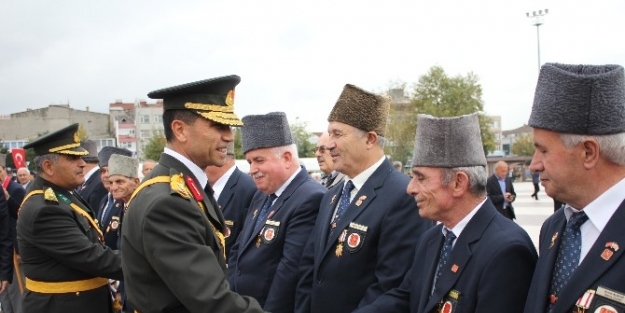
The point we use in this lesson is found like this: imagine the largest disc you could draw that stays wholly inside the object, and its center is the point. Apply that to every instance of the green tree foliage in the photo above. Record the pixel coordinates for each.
(301, 136)
(400, 131)
(155, 146)
(440, 95)
(523, 146)
(238, 148)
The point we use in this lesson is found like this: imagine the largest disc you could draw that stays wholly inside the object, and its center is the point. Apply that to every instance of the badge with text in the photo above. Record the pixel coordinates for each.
(114, 222)
(449, 303)
(270, 231)
(607, 301)
(356, 234)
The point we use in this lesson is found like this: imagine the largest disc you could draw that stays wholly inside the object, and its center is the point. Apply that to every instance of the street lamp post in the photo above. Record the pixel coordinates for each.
(538, 20)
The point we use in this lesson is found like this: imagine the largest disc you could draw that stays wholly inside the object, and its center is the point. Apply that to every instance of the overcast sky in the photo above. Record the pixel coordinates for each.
(293, 56)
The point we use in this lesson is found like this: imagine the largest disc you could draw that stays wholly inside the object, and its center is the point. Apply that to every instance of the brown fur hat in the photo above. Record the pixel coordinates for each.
(361, 109)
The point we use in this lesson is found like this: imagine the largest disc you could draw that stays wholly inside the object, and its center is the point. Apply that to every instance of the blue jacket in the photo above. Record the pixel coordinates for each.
(264, 265)
(234, 201)
(490, 267)
(592, 272)
(93, 191)
(382, 227)
(111, 222)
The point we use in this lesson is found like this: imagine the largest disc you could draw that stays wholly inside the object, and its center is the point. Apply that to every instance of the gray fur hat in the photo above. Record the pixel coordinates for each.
(92, 148)
(123, 165)
(265, 131)
(448, 142)
(580, 99)
(361, 109)
(106, 152)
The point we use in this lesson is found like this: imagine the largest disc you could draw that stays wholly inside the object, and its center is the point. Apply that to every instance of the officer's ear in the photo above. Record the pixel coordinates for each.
(47, 166)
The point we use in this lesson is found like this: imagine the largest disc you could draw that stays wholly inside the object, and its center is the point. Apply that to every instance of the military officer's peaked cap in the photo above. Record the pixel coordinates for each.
(63, 141)
(212, 98)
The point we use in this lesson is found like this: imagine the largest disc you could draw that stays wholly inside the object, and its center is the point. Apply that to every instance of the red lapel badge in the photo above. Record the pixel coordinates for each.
(454, 268)
(194, 190)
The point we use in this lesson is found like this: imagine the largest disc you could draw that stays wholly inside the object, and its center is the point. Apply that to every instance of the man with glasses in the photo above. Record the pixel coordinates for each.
(330, 177)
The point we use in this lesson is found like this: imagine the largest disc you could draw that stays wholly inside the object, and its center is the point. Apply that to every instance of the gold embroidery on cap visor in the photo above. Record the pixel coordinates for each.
(64, 149)
(216, 113)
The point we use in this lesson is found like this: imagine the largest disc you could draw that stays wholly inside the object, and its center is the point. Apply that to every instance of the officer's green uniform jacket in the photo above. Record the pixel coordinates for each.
(64, 261)
(173, 255)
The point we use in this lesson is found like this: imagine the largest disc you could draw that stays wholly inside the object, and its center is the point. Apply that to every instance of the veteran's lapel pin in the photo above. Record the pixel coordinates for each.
(612, 245)
(339, 247)
(606, 254)
(454, 268)
(553, 240)
(270, 215)
(360, 200)
(333, 198)
(255, 213)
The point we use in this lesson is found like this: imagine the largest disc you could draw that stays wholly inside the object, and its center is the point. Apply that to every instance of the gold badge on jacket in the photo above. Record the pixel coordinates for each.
(178, 185)
(49, 195)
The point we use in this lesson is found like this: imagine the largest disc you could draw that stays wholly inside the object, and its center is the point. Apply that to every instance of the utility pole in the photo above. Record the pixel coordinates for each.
(537, 17)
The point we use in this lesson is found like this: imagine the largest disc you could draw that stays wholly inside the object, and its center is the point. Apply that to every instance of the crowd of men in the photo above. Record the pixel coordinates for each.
(198, 235)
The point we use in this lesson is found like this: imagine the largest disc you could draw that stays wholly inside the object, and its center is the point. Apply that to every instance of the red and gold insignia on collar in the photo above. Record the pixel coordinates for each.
(197, 195)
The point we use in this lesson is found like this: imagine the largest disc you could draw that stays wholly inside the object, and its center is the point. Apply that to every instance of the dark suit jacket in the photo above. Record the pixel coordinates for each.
(592, 272)
(268, 271)
(111, 222)
(234, 201)
(494, 259)
(6, 241)
(496, 196)
(93, 191)
(373, 265)
(57, 244)
(16, 193)
(173, 260)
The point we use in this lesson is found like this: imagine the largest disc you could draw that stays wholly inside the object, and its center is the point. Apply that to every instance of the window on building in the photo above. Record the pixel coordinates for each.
(145, 134)
(158, 118)
(144, 119)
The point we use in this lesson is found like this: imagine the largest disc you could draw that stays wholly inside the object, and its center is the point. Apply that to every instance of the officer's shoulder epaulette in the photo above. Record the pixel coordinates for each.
(50, 196)
(147, 183)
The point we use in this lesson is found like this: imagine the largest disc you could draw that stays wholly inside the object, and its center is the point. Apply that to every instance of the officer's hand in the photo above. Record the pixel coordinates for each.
(3, 286)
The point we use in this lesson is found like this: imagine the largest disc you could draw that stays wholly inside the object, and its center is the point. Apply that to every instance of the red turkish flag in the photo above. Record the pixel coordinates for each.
(19, 157)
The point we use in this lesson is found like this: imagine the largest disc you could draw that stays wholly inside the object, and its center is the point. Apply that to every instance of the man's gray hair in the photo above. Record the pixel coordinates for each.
(612, 146)
(279, 151)
(381, 139)
(477, 178)
(52, 157)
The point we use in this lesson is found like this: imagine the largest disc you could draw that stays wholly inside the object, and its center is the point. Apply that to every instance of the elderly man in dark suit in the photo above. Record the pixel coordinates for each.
(6, 248)
(66, 265)
(14, 194)
(330, 177)
(266, 256)
(500, 190)
(111, 209)
(578, 118)
(173, 231)
(474, 261)
(367, 226)
(92, 190)
(234, 191)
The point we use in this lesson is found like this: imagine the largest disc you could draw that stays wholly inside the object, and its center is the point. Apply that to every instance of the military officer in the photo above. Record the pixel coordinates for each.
(65, 262)
(173, 232)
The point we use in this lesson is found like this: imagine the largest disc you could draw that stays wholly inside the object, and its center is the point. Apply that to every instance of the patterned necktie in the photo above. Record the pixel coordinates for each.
(445, 252)
(343, 204)
(263, 213)
(568, 254)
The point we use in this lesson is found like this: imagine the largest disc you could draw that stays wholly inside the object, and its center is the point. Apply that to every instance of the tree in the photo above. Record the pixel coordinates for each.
(440, 95)
(155, 146)
(523, 146)
(400, 131)
(301, 136)
(238, 146)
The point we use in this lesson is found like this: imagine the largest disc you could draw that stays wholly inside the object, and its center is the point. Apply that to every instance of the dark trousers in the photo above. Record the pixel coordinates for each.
(536, 190)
